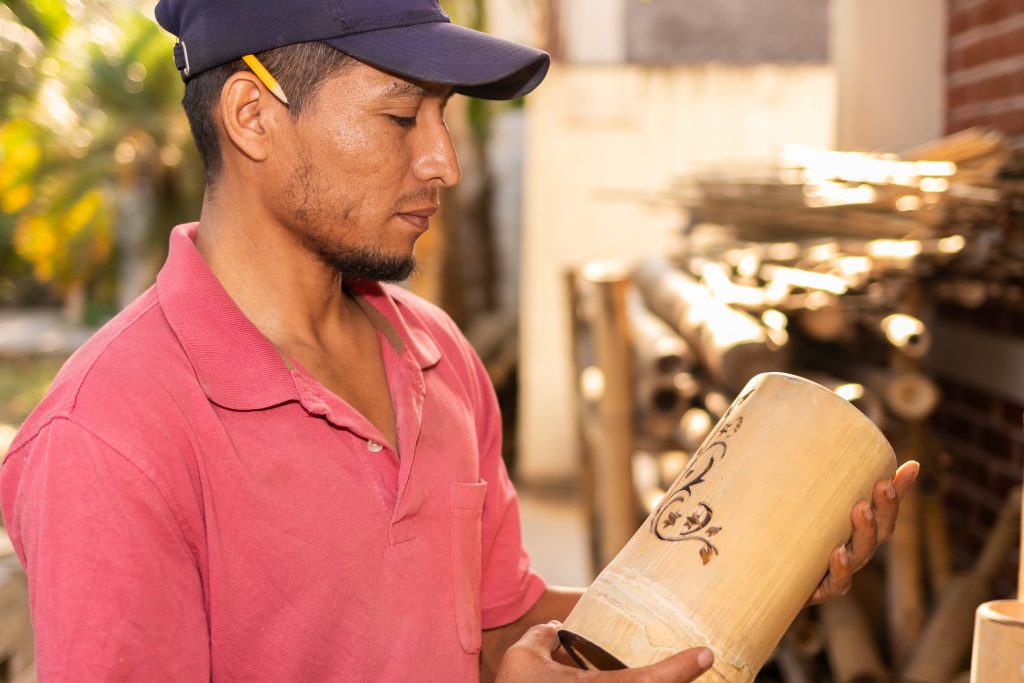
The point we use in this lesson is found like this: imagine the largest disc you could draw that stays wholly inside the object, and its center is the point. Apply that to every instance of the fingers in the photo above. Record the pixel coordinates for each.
(887, 496)
(839, 578)
(679, 668)
(541, 639)
(865, 535)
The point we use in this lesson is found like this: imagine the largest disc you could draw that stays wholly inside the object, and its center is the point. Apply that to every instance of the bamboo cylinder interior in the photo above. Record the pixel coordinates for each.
(741, 539)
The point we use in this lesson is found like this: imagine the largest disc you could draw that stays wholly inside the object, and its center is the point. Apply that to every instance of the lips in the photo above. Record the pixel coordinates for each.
(419, 218)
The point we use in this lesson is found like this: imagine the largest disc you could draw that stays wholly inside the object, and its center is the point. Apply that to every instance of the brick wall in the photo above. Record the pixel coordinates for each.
(985, 65)
(980, 429)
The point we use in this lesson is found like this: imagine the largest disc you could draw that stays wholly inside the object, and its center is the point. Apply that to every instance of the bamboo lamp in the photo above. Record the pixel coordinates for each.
(742, 538)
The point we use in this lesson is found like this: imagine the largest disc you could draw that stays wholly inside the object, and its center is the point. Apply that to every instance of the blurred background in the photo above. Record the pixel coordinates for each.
(841, 178)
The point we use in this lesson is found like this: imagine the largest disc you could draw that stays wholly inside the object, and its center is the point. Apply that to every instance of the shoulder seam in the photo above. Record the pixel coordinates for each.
(85, 375)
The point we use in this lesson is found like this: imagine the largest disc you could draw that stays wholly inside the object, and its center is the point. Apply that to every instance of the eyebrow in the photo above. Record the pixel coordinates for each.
(407, 89)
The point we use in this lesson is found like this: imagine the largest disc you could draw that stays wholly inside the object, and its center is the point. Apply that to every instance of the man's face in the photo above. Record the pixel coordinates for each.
(362, 170)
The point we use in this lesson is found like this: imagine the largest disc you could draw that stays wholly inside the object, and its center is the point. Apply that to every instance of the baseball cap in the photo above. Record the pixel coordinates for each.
(410, 38)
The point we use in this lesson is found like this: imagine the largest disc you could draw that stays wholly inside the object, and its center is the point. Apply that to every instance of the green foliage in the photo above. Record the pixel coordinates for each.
(89, 121)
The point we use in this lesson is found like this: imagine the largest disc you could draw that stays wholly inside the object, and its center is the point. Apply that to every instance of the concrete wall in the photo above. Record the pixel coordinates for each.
(594, 131)
(889, 57)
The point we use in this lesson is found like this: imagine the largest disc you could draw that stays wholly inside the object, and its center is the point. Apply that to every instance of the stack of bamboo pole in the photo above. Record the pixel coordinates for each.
(796, 271)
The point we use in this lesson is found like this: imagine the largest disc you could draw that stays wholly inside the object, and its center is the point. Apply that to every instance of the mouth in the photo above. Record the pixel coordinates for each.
(419, 218)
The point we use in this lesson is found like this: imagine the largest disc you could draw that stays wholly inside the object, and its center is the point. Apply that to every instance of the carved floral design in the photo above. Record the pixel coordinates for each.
(680, 516)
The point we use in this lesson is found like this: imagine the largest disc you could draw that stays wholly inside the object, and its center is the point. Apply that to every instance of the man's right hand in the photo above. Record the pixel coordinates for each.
(530, 661)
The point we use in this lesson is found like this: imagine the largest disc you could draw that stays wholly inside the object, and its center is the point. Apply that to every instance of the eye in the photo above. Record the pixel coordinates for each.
(403, 121)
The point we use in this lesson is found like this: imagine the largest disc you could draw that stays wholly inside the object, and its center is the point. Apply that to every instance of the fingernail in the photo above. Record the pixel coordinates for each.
(844, 557)
(890, 492)
(868, 514)
(705, 659)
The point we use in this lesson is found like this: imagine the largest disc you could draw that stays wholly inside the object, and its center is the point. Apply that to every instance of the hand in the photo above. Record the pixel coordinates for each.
(872, 526)
(530, 661)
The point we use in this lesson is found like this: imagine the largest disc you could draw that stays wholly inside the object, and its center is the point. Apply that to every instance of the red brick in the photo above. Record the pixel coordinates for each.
(992, 11)
(1011, 122)
(958, 22)
(1009, 44)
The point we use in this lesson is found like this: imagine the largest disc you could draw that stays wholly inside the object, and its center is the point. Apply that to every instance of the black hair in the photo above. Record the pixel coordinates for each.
(300, 69)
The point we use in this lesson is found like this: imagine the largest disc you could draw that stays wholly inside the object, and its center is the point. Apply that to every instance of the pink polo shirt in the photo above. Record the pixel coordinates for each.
(189, 508)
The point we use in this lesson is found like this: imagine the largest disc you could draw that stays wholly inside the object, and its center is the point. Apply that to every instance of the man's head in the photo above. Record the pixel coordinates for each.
(353, 165)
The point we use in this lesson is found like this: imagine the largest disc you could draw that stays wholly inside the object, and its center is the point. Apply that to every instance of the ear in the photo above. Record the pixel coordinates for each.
(250, 115)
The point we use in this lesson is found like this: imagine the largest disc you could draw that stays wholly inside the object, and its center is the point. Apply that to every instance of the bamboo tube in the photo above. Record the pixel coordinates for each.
(805, 636)
(905, 333)
(694, 427)
(858, 395)
(998, 651)
(909, 395)
(904, 597)
(791, 666)
(658, 349)
(938, 550)
(852, 653)
(944, 644)
(732, 345)
(647, 481)
(670, 466)
(741, 540)
(827, 322)
(609, 282)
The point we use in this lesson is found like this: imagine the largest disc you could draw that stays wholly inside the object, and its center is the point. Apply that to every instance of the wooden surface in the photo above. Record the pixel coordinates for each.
(744, 536)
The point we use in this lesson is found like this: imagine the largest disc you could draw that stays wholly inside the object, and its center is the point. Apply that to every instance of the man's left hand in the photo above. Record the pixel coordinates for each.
(873, 525)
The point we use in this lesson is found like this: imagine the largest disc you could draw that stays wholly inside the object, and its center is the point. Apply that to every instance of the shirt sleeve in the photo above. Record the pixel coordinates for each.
(509, 586)
(114, 585)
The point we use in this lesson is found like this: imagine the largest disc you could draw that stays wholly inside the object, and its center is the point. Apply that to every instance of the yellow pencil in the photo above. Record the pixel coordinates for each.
(264, 75)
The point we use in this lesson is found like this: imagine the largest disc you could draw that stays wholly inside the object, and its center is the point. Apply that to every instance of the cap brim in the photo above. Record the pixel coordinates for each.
(477, 64)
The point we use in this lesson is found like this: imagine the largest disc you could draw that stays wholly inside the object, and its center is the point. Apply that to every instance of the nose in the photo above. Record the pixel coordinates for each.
(437, 162)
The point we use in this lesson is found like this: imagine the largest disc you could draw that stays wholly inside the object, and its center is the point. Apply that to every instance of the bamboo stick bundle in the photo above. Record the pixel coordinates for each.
(730, 556)
(962, 146)
(732, 345)
(852, 652)
(947, 638)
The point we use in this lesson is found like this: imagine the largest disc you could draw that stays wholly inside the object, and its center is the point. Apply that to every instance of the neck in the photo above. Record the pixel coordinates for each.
(283, 288)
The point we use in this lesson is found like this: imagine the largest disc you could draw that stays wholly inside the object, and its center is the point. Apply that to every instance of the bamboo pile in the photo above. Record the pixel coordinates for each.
(822, 266)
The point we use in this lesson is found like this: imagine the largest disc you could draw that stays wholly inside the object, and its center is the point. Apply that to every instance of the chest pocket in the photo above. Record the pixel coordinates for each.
(467, 503)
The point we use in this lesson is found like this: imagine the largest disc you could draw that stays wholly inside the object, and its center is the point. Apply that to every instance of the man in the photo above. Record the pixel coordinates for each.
(270, 466)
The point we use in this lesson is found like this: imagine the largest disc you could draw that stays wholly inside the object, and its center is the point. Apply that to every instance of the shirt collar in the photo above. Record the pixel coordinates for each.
(237, 366)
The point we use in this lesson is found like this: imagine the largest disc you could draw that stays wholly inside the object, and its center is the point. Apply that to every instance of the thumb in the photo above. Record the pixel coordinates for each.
(679, 668)
(542, 639)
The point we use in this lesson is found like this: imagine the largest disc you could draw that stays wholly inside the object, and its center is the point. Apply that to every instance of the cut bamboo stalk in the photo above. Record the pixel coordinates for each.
(609, 283)
(852, 653)
(904, 596)
(938, 549)
(998, 652)
(792, 667)
(945, 642)
(742, 538)
(732, 345)
(694, 427)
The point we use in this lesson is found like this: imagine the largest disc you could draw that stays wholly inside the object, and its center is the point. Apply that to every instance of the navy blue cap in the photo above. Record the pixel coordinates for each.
(410, 38)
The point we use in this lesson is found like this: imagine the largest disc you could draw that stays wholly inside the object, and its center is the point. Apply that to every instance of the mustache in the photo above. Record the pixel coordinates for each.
(417, 199)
